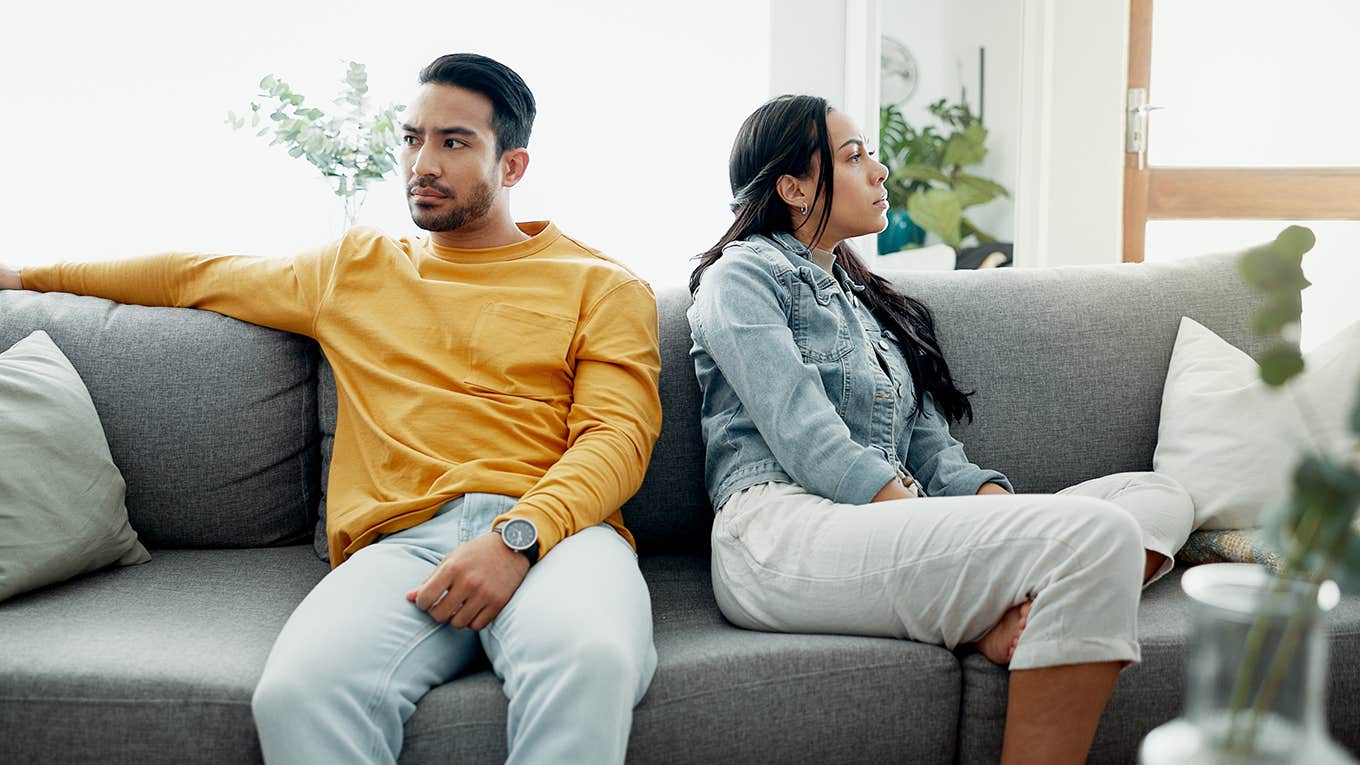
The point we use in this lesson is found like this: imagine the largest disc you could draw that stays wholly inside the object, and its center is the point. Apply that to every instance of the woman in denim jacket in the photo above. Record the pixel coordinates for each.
(844, 504)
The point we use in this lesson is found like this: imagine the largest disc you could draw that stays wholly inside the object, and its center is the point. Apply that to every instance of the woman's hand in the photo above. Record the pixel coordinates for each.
(892, 490)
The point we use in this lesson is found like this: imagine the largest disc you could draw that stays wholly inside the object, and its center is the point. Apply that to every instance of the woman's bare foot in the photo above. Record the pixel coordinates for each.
(1000, 641)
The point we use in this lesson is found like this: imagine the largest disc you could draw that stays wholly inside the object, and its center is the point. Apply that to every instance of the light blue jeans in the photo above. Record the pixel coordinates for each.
(573, 649)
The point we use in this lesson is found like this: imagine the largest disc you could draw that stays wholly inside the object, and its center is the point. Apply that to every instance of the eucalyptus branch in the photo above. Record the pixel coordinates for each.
(1324, 494)
(351, 146)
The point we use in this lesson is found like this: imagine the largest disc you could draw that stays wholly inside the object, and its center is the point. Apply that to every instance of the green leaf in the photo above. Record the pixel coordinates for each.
(1294, 241)
(1316, 520)
(921, 172)
(1328, 482)
(1347, 571)
(967, 229)
(973, 190)
(937, 211)
(1279, 310)
(892, 126)
(1330, 490)
(966, 147)
(1267, 267)
(1355, 415)
(1279, 363)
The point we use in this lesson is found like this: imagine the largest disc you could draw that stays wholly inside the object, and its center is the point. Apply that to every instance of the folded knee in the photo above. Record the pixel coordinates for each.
(1108, 532)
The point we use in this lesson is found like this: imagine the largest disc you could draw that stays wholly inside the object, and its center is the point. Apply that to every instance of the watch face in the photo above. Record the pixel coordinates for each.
(519, 534)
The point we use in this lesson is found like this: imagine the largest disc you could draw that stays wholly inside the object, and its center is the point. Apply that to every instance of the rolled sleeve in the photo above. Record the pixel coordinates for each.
(938, 460)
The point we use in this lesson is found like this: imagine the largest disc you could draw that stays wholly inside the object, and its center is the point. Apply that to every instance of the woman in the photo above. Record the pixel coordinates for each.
(844, 504)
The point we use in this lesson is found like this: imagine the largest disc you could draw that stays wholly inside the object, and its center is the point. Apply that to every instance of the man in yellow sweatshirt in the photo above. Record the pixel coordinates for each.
(497, 404)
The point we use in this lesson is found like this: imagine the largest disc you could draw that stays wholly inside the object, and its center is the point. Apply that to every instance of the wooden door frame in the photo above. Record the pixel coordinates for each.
(1177, 193)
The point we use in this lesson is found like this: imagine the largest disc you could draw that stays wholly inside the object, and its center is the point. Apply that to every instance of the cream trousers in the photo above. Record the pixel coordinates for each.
(943, 570)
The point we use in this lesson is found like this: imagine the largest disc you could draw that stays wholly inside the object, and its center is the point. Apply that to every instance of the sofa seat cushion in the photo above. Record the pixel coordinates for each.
(722, 694)
(157, 663)
(1153, 692)
(149, 664)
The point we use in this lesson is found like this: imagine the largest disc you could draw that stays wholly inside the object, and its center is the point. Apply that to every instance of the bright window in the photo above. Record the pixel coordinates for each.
(116, 143)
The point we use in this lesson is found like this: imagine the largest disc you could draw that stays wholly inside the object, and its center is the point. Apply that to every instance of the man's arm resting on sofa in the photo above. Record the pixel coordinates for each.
(280, 293)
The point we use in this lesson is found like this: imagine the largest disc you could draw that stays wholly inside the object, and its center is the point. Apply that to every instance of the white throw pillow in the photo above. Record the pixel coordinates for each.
(61, 496)
(1231, 440)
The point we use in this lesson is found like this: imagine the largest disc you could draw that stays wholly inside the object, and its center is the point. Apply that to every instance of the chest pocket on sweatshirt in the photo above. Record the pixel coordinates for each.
(520, 352)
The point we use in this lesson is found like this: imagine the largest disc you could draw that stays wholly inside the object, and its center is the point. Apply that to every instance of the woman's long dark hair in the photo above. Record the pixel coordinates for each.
(781, 138)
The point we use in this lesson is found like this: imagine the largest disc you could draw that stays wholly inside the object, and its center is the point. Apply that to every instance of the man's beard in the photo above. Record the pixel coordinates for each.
(476, 207)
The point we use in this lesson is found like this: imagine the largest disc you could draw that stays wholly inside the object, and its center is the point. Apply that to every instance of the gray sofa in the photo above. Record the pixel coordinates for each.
(221, 430)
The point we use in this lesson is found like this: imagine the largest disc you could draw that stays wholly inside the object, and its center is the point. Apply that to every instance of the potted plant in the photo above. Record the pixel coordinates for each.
(929, 187)
(352, 146)
(1257, 660)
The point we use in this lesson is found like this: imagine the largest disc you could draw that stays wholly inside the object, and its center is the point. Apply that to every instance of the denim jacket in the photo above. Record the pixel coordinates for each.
(801, 383)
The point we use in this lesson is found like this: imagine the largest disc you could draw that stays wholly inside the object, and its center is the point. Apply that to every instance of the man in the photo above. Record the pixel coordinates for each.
(497, 405)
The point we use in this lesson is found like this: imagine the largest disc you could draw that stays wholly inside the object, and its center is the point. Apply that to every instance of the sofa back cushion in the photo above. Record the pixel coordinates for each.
(671, 512)
(1067, 364)
(211, 421)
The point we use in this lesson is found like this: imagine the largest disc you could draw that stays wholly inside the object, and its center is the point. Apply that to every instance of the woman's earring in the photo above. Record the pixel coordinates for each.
(802, 210)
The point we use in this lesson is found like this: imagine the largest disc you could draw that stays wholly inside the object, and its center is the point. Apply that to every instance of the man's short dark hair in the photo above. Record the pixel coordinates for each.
(512, 105)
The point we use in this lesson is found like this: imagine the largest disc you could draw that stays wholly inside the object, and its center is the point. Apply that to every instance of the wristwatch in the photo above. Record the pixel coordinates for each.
(520, 535)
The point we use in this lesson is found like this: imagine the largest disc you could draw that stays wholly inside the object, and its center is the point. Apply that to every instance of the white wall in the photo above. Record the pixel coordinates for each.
(117, 147)
(829, 48)
(1085, 152)
(807, 50)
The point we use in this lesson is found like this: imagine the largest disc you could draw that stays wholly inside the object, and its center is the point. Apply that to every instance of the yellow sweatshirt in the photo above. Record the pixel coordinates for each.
(528, 370)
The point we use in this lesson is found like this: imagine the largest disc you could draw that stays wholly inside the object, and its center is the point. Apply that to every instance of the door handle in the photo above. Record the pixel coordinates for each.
(1135, 124)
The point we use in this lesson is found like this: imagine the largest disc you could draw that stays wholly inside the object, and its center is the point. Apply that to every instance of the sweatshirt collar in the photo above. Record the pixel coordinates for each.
(541, 234)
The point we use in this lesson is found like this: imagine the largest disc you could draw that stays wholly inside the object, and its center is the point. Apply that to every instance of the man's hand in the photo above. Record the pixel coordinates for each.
(476, 581)
(9, 278)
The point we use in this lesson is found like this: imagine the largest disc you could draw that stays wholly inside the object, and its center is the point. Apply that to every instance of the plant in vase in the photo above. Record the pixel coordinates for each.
(352, 146)
(1256, 664)
(928, 185)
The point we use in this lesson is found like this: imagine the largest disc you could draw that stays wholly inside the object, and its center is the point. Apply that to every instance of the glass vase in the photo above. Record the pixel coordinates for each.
(1256, 665)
